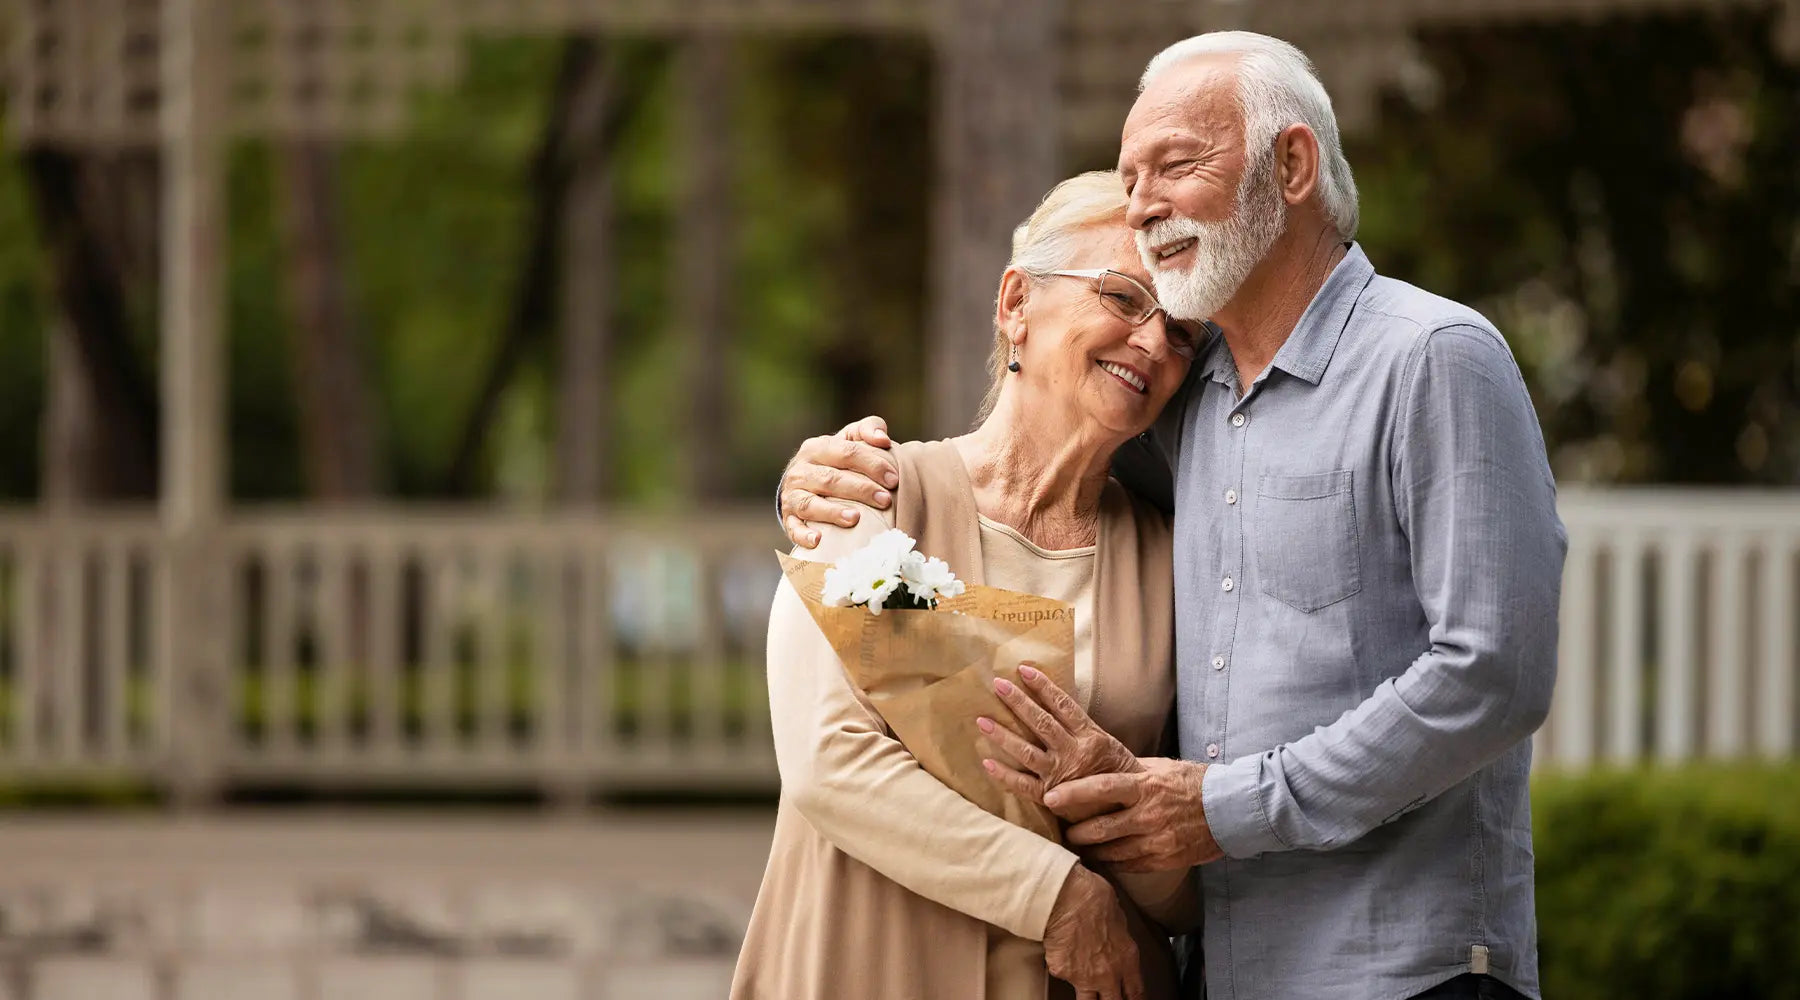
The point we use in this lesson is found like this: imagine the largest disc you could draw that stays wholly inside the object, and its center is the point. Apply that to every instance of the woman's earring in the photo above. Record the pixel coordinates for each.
(1013, 365)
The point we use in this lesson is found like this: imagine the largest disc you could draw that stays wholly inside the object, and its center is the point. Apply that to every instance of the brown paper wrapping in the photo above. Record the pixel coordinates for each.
(930, 673)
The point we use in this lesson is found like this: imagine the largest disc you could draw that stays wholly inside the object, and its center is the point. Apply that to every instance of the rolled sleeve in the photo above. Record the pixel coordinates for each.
(1232, 796)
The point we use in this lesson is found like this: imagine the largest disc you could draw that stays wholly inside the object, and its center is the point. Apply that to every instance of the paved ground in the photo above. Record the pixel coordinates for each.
(396, 907)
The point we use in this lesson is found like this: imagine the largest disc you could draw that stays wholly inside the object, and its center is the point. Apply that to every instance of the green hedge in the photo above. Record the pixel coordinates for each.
(1670, 885)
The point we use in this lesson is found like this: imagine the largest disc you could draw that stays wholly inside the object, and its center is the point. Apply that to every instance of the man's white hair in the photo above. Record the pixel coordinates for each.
(1277, 88)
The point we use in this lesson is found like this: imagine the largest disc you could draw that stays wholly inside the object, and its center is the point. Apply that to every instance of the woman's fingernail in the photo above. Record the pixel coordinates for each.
(1003, 685)
(812, 538)
(985, 724)
(892, 479)
(1052, 799)
(849, 517)
(882, 497)
(1028, 672)
(989, 765)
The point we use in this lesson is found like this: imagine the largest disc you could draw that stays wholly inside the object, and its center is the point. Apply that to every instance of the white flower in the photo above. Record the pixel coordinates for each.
(874, 593)
(887, 549)
(870, 575)
(928, 578)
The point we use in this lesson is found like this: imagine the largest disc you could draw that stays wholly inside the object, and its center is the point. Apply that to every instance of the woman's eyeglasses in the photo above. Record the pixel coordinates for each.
(1125, 298)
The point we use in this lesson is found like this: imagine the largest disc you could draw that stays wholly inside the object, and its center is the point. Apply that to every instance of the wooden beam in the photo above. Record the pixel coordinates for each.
(193, 301)
(193, 577)
(663, 17)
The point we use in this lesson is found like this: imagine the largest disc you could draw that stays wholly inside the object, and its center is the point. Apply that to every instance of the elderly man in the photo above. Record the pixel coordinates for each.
(1368, 566)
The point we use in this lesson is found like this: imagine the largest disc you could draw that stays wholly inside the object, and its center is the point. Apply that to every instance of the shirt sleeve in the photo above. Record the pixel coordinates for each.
(1475, 499)
(862, 790)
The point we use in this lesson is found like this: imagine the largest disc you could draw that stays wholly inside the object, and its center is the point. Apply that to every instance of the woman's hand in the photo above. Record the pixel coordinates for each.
(1069, 744)
(1087, 942)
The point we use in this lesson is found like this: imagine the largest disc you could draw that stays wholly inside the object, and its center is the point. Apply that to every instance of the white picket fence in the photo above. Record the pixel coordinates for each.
(1678, 627)
(408, 647)
(576, 653)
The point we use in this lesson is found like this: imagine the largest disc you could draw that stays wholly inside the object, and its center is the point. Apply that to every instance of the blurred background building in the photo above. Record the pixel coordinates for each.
(391, 392)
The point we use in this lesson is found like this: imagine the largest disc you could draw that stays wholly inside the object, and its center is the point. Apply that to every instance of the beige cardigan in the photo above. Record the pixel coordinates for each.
(958, 906)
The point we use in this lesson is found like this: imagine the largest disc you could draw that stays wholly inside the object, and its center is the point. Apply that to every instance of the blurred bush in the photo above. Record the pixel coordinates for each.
(1669, 885)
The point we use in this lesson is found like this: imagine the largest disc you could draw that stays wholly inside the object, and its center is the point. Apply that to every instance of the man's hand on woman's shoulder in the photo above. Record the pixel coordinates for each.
(853, 464)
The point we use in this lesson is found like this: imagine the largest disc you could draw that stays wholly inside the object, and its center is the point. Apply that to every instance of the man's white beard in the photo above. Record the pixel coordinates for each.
(1224, 252)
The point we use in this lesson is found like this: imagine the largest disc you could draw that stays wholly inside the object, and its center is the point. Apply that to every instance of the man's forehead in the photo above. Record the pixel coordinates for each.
(1198, 95)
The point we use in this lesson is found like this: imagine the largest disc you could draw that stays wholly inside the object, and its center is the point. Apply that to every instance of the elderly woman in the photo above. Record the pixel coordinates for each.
(882, 882)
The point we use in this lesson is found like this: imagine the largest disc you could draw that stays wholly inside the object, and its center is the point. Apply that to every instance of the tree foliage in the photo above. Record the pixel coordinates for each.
(1620, 197)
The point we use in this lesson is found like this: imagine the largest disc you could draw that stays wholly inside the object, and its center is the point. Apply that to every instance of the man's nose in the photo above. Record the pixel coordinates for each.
(1147, 207)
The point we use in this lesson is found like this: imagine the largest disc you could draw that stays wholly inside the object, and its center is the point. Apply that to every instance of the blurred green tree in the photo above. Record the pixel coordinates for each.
(1622, 198)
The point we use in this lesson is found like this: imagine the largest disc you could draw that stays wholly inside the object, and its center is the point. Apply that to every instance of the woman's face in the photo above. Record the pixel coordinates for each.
(1079, 352)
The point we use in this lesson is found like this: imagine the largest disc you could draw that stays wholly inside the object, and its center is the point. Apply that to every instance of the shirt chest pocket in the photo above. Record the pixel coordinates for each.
(1306, 538)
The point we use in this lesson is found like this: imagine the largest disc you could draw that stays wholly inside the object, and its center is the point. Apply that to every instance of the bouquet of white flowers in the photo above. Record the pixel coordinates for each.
(928, 664)
(889, 572)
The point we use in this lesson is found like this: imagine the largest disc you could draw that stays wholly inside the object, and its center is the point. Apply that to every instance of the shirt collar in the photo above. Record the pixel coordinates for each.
(1215, 359)
(1308, 350)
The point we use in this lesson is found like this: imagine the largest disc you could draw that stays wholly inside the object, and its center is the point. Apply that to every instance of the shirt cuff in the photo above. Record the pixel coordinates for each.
(1045, 889)
(1231, 796)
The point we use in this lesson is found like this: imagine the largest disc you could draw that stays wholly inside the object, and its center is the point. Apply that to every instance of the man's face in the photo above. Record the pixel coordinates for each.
(1205, 214)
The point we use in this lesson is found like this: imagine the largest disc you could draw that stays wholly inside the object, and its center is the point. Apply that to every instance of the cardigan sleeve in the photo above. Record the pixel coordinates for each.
(862, 790)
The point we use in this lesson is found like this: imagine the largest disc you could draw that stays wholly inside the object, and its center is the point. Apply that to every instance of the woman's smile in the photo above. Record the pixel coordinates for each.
(1127, 376)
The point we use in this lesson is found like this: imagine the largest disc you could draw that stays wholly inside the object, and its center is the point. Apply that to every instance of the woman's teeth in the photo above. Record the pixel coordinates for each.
(1127, 376)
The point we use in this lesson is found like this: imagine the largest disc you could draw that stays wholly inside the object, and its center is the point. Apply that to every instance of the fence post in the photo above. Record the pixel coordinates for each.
(194, 579)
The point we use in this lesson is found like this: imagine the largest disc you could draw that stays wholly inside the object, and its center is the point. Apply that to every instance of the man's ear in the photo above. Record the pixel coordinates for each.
(1297, 163)
(1009, 306)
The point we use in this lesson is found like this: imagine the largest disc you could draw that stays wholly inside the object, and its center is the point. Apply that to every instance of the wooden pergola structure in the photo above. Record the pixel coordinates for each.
(1019, 82)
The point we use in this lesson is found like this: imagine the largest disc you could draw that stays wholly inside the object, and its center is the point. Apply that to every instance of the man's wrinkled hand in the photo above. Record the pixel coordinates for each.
(1148, 821)
(1087, 942)
(1068, 744)
(853, 464)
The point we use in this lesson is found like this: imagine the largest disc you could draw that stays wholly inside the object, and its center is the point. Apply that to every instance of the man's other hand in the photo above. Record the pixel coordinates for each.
(1156, 823)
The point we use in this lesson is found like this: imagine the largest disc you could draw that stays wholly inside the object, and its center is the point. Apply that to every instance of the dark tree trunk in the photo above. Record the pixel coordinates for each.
(702, 292)
(580, 130)
(996, 156)
(583, 432)
(100, 431)
(339, 438)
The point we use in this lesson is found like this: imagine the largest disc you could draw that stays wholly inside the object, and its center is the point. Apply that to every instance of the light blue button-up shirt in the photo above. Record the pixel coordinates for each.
(1368, 560)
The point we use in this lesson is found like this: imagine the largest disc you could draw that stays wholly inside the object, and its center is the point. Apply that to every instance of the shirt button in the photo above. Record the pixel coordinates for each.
(1226, 585)
(1231, 496)
(1218, 663)
(1238, 419)
(1212, 750)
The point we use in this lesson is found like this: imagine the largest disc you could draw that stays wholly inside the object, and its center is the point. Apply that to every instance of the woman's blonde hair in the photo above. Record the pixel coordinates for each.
(1049, 240)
